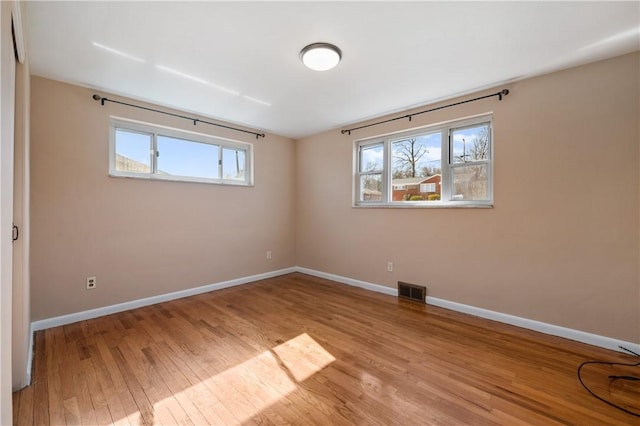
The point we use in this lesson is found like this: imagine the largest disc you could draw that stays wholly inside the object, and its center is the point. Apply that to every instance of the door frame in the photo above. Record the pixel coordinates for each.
(7, 110)
(22, 338)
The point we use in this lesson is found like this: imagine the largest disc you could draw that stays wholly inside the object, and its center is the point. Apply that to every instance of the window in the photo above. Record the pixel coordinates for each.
(146, 151)
(447, 165)
(428, 187)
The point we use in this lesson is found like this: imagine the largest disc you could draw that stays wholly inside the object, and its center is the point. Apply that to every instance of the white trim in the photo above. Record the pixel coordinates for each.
(542, 327)
(18, 31)
(350, 281)
(554, 330)
(112, 309)
(7, 138)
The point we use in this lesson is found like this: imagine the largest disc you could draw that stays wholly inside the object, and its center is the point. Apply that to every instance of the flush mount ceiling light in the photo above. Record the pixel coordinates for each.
(320, 56)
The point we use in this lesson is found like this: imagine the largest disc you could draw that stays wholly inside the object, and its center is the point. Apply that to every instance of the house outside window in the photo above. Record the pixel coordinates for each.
(448, 165)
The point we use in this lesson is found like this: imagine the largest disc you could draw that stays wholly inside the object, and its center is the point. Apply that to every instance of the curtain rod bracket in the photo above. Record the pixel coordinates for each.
(99, 98)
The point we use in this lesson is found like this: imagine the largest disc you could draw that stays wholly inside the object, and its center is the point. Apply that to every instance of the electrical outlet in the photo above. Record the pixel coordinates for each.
(269, 255)
(91, 283)
(389, 266)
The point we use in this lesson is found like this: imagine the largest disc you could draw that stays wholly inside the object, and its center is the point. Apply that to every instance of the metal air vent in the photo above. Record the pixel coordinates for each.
(412, 292)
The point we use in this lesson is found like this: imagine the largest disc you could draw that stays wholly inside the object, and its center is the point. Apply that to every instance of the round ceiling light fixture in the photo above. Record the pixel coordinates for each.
(320, 56)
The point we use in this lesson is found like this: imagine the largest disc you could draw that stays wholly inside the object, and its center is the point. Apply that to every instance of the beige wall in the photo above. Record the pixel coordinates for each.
(560, 245)
(142, 238)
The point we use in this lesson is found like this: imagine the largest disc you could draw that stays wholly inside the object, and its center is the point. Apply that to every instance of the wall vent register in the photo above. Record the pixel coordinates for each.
(412, 292)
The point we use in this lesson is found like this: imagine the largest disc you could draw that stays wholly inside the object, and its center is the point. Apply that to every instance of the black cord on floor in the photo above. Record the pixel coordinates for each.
(628, 350)
(630, 378)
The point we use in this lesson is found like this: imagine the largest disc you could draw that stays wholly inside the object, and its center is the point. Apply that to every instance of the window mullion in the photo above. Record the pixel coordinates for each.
(386, 174)
(445, 185)
(154, 154)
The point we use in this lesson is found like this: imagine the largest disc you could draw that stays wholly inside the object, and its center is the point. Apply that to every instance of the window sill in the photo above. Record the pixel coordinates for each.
(409, 205)
(180, 179)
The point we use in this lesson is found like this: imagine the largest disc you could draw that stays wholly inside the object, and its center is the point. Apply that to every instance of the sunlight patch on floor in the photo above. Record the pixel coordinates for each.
(250, 387)
(303, 356)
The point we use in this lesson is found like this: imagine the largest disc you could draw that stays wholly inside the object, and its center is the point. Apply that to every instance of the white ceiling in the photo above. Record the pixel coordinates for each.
(218, 58)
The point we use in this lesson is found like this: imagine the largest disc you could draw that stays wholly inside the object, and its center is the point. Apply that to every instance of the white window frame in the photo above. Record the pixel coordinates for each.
(155, 130)
(383, 172)
(446, 201)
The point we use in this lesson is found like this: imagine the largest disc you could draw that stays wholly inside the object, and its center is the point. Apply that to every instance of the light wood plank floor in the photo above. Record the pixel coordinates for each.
(302, 350)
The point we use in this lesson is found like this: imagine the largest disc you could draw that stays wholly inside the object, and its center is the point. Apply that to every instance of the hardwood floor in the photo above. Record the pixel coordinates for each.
(302, 350)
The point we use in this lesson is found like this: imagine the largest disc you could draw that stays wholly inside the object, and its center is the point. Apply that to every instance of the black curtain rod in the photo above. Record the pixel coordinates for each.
(195, 120)
(500, 94)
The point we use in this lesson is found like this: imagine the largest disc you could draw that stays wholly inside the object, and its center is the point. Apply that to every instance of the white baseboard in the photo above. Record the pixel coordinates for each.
(344, 280)
(120, 307)
(542, 327)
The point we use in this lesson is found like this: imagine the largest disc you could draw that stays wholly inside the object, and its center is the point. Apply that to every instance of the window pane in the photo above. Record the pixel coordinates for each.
(233, 163)
(371, 187)
(133, 151)
(372, 158)
(416, 162)
(470, 183)
(181, 157)
(470, 144)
